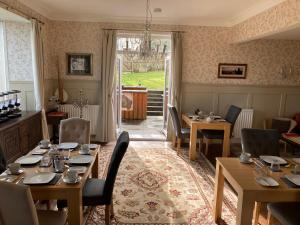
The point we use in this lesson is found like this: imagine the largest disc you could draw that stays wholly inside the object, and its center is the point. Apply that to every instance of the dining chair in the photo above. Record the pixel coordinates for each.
(287, 213)
(260, 142)
(231, 117)
(282, 125)
(99, 191)
(17, 207)
(180, 133)
(75, 130)
(3, 162)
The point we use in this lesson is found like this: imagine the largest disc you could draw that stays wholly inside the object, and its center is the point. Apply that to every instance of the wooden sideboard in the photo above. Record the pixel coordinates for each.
(19, 136)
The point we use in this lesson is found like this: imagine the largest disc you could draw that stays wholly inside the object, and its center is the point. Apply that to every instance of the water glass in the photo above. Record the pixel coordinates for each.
(59, 165)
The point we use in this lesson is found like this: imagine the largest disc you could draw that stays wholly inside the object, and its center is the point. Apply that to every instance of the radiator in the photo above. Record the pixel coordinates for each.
(243, 121)
(90, 112)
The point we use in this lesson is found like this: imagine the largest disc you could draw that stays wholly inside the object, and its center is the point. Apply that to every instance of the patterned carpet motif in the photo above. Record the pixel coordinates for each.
(155, 186)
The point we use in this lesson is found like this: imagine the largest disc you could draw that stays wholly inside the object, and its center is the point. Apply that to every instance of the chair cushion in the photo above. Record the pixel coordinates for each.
(93, 193)
(48, 217)
(286, 213)
(213, 134)
(187, 131)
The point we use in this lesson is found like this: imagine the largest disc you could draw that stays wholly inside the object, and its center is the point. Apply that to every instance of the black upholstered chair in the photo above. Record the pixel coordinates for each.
(180, 133)
(287, 213)
(2, 161)
(231, 117)
(260, 142)
(98, 191)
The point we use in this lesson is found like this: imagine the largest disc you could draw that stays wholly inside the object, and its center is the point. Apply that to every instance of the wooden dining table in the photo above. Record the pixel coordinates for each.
(202, 124)
(70, 192)
(241, 178)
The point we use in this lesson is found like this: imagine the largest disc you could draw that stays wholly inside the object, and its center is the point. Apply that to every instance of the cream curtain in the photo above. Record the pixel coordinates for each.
(106, 125)
(176, 76)
(38, 72)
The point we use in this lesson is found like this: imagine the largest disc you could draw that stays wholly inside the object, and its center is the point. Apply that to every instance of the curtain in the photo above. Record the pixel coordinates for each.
(106, 125)
(176, 77)
(38, 72)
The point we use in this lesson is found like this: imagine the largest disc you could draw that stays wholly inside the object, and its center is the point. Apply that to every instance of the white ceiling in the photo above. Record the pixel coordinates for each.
(179, 12)
(9, 16)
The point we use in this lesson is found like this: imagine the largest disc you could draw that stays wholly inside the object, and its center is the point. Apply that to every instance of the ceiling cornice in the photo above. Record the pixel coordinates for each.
(241, 17)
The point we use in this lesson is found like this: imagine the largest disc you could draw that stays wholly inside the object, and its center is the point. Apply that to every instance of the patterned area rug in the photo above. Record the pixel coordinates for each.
(155, 186)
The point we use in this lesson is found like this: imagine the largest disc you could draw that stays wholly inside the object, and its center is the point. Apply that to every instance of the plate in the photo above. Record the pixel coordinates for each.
(93, 146)
(269, 159)
(296, 160)
(67, 145)
(84, 153)
(67, 181)
(39, 178)
(267, 181)
(28, 160)
(18, 173)
(81, 159)
(39, 152)
(79, 169)
(293, 178)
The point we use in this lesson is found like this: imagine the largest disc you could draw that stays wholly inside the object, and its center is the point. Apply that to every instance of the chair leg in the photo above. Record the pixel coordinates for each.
(200, 144)
(107, 214)
(112, 209)
(207, 141)
(178, 146)
(270, 219)
(174, 141)
(256, 213)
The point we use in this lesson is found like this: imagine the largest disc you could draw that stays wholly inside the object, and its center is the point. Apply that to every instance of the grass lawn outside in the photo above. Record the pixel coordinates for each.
(154, 80)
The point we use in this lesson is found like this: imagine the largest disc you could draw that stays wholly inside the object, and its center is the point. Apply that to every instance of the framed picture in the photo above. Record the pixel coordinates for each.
(79, 64)
(229, 70)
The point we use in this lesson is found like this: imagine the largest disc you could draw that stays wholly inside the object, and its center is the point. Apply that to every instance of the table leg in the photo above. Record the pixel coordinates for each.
(193, 143)
(245, 208)
(74, 199)
(219, 188)
(226, 142)
(95, 171)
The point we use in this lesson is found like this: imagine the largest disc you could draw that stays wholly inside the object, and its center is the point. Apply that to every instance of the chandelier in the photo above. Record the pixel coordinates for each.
(145, 46)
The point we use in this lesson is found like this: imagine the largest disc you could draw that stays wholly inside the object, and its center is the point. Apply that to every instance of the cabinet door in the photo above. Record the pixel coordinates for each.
(24, 137)
(11, 144)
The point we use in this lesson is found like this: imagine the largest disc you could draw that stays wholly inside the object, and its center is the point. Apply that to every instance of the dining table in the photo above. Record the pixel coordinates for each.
(242, 178)
(202, 124)
(61, 190)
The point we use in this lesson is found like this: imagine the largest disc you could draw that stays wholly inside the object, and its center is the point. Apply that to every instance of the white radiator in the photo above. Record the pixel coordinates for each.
(90, 112)
(243, 121)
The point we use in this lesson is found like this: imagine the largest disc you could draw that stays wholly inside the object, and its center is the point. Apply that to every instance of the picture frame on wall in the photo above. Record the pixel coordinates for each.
(79, 64)
(231, 70)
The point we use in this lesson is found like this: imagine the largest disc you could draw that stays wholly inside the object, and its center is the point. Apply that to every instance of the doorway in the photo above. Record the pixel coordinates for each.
(142, 86)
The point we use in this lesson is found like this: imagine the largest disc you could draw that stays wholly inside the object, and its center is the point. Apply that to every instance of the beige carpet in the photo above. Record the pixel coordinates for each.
(155, 186)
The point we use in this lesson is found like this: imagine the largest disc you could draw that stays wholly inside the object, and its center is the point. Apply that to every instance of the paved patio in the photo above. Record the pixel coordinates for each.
(150, 129)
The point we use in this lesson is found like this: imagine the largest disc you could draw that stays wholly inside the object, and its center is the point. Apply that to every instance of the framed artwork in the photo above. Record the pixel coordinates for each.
(230, 70)
(79, 64)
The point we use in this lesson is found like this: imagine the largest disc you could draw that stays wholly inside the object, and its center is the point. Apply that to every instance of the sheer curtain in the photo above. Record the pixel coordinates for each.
(176, 73)
(106, 125)
(38, 72)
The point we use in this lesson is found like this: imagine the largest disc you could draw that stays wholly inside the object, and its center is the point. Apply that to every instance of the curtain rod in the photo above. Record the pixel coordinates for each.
(117, 29)
(18, 12)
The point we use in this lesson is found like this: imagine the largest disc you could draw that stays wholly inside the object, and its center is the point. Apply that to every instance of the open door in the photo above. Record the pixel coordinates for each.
(167, 91)
(118, 105)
